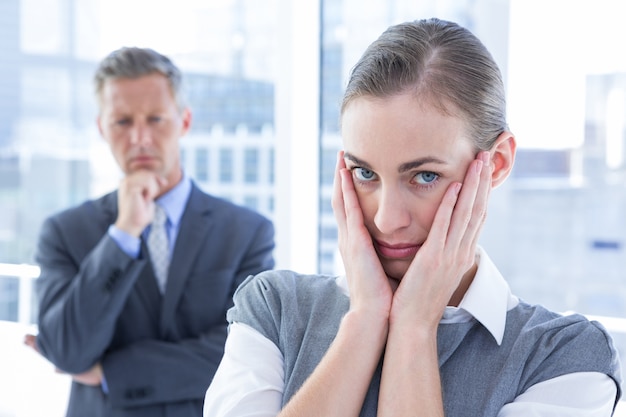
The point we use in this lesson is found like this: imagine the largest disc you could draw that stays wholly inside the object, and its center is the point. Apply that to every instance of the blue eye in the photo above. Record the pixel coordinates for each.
(426, 177)
(363, 174)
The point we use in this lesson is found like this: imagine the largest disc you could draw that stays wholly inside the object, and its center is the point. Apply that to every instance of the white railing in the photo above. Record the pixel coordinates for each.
(26, 274)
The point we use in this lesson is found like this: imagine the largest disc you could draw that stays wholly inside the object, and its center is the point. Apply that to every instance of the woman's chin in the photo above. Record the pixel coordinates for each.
(395, 269)
(393, 283)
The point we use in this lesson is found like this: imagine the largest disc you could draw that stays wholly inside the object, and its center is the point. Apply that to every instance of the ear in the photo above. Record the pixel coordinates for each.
(502, 157)
(186, 116)
(99, 123)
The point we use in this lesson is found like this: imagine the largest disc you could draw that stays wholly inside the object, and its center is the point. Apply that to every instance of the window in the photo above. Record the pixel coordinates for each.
(202, 164)
(252, 202)
(226, 165)
(265, 130)
(251, 166)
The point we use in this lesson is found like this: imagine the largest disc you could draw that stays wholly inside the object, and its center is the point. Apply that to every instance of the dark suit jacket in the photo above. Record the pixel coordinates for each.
(97, 304)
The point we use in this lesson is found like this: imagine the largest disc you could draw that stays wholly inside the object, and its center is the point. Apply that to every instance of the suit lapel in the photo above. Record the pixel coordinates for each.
(194, 227)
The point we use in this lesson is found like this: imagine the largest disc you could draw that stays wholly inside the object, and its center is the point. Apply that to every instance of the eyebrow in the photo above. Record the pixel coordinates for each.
(407, 166)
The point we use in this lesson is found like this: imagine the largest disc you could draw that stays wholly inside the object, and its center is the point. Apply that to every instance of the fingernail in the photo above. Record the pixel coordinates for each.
(485, 157)
(479, 166)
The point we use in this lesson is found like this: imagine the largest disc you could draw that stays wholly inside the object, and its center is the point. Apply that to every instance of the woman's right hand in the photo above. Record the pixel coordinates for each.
(339, 384)
(370, 290)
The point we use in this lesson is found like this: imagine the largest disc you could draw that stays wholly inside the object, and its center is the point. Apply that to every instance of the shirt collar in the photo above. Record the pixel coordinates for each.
(487, 299)
(175, 200)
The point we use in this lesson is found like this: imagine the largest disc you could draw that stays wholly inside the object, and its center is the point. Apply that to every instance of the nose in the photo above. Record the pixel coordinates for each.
(140, 134)
(393, 211)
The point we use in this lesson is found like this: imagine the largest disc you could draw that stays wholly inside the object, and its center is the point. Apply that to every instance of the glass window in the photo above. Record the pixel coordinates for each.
(270, 172)
(8, 301)
(251, 166)
(556, 229)
(226, 165)
(252, 202)
(202, 164)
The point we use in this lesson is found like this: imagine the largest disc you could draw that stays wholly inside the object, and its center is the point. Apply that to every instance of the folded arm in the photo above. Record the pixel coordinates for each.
(80, 300)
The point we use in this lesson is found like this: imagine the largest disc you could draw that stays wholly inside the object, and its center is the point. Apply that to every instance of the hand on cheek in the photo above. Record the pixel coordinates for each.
(436, 275)
(369, 286)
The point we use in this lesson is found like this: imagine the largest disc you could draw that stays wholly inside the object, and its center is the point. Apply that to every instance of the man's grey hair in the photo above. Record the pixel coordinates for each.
(133, 62)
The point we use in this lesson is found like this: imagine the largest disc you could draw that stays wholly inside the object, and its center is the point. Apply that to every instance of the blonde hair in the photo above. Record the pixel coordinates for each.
(441, 63)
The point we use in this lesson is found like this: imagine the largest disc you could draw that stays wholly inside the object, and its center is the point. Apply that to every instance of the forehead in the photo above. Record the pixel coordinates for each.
(133, 92)
(402, 127)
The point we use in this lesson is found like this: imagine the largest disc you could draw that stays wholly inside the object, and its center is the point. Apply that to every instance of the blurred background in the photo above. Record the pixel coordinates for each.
(264, 79)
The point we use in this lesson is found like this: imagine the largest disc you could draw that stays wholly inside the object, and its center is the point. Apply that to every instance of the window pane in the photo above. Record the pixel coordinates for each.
(251, 166)
(202, 164)
(226, 165)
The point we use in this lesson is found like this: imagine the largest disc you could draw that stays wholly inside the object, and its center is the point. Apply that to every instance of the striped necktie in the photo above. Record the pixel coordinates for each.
(159, 247)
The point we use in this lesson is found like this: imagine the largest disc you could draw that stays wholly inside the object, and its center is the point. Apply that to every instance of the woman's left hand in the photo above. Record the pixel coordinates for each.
(438, 269)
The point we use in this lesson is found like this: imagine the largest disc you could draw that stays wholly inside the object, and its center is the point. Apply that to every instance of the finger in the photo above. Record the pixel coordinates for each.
(439, 230)
(464, 212)
(478, 209)
(30, 341)
(151, 186)
(337, 199)
(481, 203)
(354, 216)
(162, 182)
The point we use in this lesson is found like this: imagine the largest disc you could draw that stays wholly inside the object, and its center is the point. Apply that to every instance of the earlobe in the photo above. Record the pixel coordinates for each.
(502, 157)
(186, 120)
(99, 124)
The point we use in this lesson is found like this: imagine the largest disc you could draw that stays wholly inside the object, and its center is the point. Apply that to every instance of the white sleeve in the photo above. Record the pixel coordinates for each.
(250, 378)
(579, 394)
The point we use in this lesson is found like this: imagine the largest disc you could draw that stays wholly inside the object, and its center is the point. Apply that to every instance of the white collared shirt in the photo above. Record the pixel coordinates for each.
(250, 379)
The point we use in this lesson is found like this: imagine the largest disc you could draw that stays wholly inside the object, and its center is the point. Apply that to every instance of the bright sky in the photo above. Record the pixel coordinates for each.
(553, 46)
(158, 24)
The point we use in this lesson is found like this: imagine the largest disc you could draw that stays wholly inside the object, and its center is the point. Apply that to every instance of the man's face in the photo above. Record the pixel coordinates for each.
(142, 123)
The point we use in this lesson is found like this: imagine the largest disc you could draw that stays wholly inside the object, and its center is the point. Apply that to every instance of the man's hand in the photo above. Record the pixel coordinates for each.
(136, 195)
(91, 377)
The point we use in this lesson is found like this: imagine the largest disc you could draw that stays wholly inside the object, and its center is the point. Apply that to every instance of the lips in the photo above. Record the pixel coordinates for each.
(142, 160)
(396, 251)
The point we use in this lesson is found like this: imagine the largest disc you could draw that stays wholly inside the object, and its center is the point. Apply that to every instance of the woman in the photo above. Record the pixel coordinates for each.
(422, 323)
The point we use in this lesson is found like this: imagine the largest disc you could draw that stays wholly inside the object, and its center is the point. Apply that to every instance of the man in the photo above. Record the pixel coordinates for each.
(138, 341)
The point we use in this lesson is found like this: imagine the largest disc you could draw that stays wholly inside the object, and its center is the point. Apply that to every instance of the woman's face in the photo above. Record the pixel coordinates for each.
(403, 155)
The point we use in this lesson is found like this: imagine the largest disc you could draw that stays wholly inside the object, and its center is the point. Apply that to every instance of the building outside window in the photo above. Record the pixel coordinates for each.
(226, 166)
(202, 165)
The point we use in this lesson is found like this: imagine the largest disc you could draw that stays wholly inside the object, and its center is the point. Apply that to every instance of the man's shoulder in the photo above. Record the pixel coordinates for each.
(88, 213)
